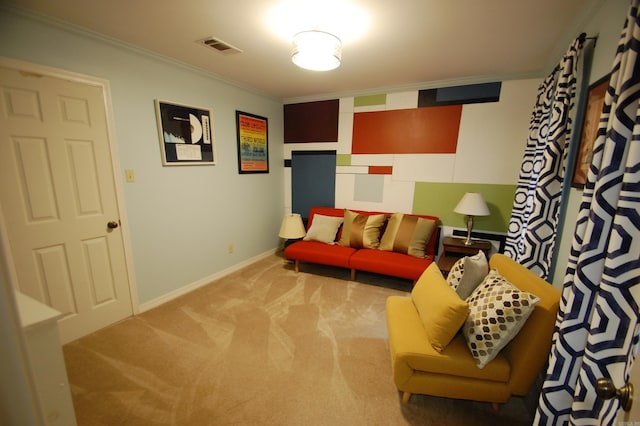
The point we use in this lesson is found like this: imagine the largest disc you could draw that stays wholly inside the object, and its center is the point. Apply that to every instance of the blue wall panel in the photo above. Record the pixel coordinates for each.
(313, 180)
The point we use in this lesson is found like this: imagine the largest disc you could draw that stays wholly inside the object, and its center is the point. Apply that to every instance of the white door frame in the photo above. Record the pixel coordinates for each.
(115, 165)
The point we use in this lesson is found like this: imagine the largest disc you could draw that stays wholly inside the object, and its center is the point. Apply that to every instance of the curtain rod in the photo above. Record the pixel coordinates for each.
(584, 37)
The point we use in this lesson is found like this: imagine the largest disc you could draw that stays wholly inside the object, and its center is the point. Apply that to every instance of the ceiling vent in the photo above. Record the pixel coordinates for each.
(219, 45)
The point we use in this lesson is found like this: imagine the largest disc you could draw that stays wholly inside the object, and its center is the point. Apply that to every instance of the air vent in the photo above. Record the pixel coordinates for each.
(219, 45)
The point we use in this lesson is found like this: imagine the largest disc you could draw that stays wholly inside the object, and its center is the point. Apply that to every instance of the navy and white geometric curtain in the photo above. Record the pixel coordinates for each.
(598, 320)
(534, 218)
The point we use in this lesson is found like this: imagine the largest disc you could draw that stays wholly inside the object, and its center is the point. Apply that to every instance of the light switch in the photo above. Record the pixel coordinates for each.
(129, 175)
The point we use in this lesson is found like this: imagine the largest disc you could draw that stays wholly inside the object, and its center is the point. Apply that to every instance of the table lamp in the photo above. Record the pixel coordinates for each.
(472, 204)
(292, 227)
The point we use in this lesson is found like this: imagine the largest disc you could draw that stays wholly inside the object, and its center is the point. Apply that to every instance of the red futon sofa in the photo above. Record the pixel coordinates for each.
(390, 263)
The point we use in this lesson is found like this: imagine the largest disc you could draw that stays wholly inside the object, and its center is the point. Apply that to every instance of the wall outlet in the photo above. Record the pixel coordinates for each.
(129, 175)
(230, 248)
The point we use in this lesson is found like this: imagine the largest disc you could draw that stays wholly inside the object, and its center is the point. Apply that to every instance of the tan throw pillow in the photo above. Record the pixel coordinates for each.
(498, 312)
(361, 231)
(407, 234)
(323, 228)
(441, 310)
(474, 270)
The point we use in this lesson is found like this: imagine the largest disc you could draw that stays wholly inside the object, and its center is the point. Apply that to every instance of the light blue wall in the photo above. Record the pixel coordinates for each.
(181, 219)
(606, 25)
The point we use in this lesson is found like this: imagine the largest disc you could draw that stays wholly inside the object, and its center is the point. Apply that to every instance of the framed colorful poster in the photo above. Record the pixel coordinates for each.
(253, 143)
(590, 123)
(186, 136)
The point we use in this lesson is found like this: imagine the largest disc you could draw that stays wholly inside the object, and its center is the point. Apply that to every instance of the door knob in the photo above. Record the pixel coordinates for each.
(606, 390)
(112, 225)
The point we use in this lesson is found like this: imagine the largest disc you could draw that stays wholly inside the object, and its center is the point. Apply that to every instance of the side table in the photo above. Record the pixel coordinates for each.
(454, 248)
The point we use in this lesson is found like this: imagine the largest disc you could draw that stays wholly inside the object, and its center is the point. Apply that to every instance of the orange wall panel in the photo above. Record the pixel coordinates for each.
(432, 130)
(380, 170)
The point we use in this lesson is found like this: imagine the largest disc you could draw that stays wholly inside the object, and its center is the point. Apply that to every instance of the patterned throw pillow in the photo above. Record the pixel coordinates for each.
(455, 273)
(361, 231)
(407, 234)
(498, 310)
(323, 228)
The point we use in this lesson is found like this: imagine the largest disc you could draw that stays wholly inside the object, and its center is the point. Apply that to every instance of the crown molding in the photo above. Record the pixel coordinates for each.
(85, 32)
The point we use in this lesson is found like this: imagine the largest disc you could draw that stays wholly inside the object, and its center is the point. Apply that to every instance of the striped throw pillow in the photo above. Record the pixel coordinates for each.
(361, 231)
(407, 234)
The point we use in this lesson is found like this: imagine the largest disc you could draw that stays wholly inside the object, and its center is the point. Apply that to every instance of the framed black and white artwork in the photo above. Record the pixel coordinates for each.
(186, 134)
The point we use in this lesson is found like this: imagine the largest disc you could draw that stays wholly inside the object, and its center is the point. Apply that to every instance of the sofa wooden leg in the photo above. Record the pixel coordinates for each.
(495, 406)
(405, 397)
(353, 275)
(297, 266)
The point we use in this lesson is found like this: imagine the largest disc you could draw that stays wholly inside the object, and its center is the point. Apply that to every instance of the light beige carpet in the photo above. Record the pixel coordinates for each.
(263, 346)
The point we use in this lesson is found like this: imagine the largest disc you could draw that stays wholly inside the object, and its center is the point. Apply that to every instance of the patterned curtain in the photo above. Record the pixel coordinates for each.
(534, 218)
(598, 321)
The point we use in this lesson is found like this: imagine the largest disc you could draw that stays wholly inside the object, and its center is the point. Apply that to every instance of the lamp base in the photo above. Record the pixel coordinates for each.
(469, 241)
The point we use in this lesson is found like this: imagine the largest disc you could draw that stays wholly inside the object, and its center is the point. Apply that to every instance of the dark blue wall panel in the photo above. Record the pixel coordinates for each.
(456, 95)
(313, 180)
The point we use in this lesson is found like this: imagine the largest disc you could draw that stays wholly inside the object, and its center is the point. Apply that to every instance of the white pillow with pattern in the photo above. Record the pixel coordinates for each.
(455, 273)
(498, 310)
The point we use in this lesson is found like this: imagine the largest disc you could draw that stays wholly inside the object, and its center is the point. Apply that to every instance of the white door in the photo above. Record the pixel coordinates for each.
(632, 417)
(57, 198)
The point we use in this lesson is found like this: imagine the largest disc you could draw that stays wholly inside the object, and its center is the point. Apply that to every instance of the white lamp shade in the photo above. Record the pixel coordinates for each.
(472, 204)
(292, 227)
(316, 51)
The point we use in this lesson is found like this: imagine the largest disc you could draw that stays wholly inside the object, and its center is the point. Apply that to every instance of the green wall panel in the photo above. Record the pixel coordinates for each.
(343, 160)
(360, 101)
(439, 199)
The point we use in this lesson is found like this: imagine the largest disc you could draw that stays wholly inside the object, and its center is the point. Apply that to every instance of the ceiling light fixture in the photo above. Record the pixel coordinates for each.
(316, 50)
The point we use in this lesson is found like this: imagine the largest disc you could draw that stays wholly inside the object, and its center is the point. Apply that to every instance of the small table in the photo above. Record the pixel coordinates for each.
(454, 248)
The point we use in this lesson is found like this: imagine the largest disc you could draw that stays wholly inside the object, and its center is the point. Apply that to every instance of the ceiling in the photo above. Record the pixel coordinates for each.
(387, 44)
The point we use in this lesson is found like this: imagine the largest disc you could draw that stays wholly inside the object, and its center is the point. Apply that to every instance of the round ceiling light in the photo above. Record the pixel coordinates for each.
(316, 50)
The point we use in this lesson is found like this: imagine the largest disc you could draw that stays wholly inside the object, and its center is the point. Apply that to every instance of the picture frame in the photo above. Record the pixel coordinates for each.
(253, 143)
(589, 131)
(185, 133)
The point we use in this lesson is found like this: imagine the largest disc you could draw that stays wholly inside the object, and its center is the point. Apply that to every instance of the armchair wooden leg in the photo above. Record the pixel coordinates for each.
(405, 397)
(297, 266)
(495, 406)
(353, 274)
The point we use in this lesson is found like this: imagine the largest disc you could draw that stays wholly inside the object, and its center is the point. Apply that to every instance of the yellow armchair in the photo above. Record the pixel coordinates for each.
(419, 368)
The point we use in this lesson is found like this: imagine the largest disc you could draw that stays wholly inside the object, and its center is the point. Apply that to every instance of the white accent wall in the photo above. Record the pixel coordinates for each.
(491, 143)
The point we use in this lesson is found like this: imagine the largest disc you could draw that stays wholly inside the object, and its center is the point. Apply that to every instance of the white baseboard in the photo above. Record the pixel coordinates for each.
(143, 307)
